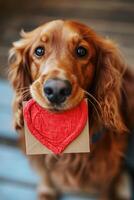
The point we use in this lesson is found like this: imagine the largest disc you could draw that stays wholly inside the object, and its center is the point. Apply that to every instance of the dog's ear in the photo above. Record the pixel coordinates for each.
(20, 74)
(19, 71)
(19, 62)
(111, 67)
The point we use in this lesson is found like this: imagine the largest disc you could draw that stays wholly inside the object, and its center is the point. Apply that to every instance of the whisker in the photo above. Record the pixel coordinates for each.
(25, 96)
(24, 92)
(124, 92)
(90, 95)
(22, 88)
(98, 112)
(95, 109)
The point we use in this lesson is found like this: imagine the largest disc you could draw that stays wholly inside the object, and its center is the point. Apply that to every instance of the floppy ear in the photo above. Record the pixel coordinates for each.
(19, 72)
(111, 68)
(19, 76)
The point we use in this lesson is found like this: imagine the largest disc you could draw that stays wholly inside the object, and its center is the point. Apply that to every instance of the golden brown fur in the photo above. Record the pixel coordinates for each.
(102, 75)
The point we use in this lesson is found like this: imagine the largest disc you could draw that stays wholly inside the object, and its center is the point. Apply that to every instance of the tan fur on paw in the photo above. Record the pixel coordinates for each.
(46, 193)
(47, 197)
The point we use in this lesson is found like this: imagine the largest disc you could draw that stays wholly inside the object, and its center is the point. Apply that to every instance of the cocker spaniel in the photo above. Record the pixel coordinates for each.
(58, 64)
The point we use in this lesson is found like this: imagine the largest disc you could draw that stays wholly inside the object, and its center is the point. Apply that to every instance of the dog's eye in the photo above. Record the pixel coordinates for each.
(39, 51)
(81, 51)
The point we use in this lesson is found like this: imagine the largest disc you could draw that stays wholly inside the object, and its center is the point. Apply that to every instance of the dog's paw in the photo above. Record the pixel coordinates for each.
(45, 193)
(47, 197)
(123, 188)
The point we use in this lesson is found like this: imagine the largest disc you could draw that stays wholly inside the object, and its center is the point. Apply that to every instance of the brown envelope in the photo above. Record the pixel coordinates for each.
(79, 145)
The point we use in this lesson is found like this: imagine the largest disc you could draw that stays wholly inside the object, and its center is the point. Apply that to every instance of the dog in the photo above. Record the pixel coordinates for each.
(58, 64)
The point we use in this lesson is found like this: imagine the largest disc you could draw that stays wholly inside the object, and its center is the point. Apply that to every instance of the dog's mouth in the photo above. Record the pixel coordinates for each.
(56, 108)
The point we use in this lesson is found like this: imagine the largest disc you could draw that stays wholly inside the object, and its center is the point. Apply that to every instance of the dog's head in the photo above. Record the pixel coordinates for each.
(62, 61)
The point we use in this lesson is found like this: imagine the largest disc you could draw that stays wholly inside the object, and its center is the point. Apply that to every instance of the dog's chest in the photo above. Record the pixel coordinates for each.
(89, 171)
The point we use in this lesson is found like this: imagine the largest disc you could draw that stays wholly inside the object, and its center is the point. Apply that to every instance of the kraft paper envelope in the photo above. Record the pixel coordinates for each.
(79, 145)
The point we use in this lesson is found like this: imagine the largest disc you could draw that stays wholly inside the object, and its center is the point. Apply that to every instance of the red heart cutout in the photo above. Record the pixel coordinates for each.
(55, 130)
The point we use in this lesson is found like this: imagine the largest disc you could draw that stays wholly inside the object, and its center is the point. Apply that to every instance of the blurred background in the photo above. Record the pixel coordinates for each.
(113, 19)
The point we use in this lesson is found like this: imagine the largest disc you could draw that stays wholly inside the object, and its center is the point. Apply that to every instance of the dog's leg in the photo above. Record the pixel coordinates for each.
(46, 190)
(123, 188)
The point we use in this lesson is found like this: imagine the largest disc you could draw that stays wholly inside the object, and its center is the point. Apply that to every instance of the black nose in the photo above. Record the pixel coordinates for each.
(57, 90)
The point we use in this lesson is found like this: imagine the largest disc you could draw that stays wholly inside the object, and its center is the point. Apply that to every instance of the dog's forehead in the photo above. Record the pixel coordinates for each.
(55, 25)
(59, 28)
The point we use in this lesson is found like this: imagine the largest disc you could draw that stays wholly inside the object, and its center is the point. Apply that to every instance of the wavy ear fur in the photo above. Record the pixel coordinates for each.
(19, 75)
(19, 72)
(111, 68)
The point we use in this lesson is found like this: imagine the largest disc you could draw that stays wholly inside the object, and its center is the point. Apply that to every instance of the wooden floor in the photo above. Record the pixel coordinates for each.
(17, 180)
(114, 19)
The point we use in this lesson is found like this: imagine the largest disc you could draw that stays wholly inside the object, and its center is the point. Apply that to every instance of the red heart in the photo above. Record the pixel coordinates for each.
(55, 130)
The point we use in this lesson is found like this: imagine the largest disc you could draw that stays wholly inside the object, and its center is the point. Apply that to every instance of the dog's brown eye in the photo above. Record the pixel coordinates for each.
(39, 51)
(81, 51)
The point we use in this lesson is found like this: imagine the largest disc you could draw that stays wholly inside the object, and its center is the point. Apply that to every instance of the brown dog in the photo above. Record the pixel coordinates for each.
(58, 64)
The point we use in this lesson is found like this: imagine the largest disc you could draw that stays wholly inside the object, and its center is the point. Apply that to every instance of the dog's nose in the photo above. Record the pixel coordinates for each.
(57, 90)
